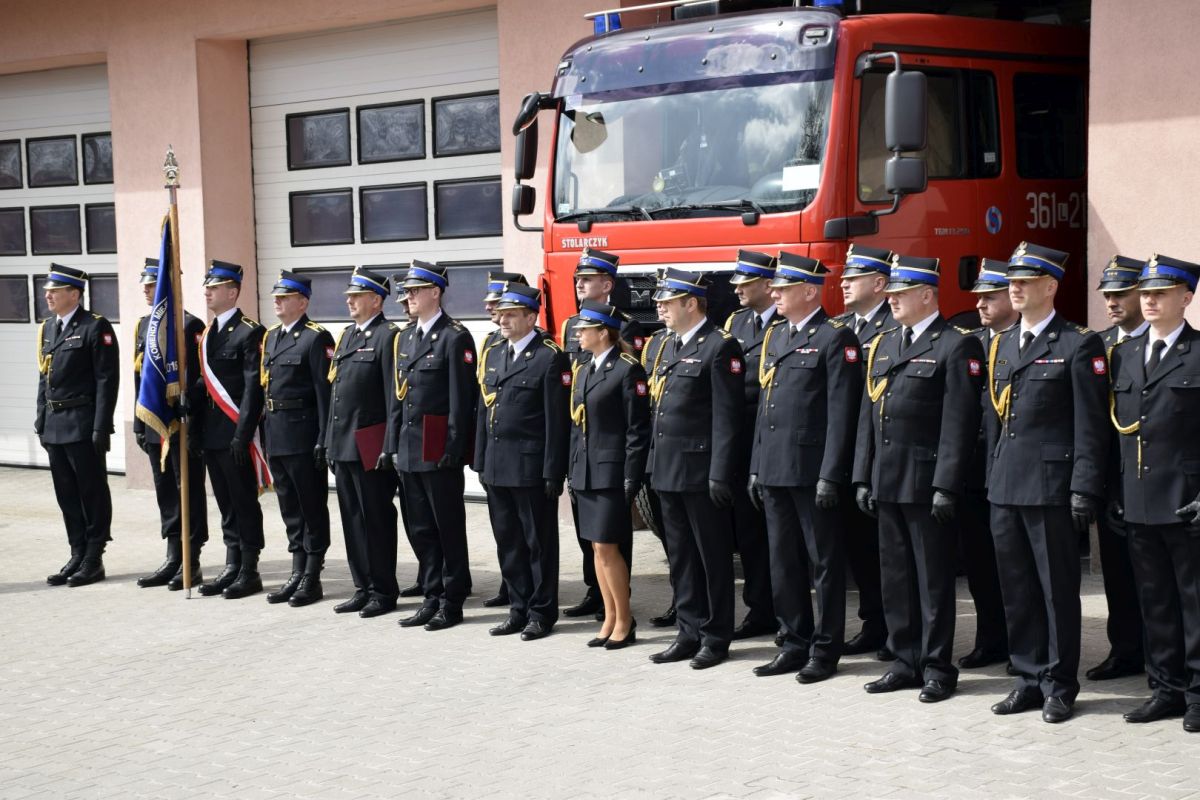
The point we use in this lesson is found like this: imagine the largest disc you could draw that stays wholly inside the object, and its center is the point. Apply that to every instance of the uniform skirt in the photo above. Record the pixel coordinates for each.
(604, 516)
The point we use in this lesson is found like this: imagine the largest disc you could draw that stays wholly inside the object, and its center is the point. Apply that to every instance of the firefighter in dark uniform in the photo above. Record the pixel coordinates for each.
(867, 314)
(595, 277)
(166, 481)
(751, 281)
(1126, 655)
(652, 358)
(697, 424)
(917, 428)
(297, 353)
(803, 454)
(231, 356)
(414, 589)
(521, 442)
(77, 394)
(974, 521)
(361, 419)
(1155, 407)
(495, 289)
(435, 408)
(1048, 385)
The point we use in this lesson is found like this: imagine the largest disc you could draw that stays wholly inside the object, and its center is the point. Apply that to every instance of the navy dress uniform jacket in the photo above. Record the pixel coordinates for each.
(1054, 438)
(612, 444)
(701, 383)
(522, 435)
(193, 329)
(740, 325)
(234, 356)
(296, 375)
(807, 414)
(877, 323)
(631, 332)
(1165, 407)
(436, 376)
(363, 388)
(924, 424)
(77, 391)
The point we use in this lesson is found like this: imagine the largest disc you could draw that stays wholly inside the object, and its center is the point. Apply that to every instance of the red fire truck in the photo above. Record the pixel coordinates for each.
(805, 129)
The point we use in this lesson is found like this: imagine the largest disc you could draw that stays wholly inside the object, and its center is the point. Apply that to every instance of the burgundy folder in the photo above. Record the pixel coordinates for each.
(370, 444)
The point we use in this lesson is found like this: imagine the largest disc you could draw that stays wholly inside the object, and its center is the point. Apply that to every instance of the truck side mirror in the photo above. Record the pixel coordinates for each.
(525, 159)
(530, 106)
(904, 175)
(905, 112)
(523, 199)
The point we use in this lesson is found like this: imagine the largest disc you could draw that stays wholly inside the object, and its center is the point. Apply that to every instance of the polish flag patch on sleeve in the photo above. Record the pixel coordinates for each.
(851, 355)
(108, 338)
(468, 357)
(566, 379)
(974, 367)
(1100, 365)
(638, 343)
(640, 388)
(735, 366)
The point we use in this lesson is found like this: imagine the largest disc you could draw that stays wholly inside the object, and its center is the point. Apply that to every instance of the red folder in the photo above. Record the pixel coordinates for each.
(434, 432)
(370, 444)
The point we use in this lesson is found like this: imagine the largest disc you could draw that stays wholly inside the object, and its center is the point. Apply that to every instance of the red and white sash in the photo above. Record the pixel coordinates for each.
(221, 397)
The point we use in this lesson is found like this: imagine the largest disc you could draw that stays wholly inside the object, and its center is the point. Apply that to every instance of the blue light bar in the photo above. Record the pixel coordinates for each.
(606, 23)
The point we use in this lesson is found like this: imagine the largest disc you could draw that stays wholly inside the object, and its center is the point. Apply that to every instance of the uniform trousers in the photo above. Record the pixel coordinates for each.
(917, 572)
(369, 525)
(80, 482)
(700, 553)
(525, 524)
(750, 541)
(1037, 556)
(236, 489)
(166, 491)
(862, 554)
(303, 493)
(436, 522)
(1166, 565)
(1124, 627)
(979, 562)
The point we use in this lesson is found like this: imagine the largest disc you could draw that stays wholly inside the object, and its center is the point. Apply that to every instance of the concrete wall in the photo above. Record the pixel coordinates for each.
(1143, 136)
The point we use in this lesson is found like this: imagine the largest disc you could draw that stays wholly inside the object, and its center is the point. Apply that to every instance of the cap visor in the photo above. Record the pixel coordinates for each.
(739, 278)
(987, 288)
(896, 288)
(1160, 283)
(1110, 286)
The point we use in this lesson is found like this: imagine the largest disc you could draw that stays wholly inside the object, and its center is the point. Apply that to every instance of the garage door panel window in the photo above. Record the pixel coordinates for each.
(328, 301)
(52, 161)
(318, 139)
(102, 297)
(466, 124)
(12, 231)
(396, 213)
(101, 227)
(10, 164)
(55, 230)
(97, 158)
(14, 298)
(468, 283)
(391, 132)
(322, 217)
(468, 208)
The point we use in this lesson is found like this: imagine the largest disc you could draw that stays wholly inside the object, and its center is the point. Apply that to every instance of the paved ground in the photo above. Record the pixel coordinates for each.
(115, 691)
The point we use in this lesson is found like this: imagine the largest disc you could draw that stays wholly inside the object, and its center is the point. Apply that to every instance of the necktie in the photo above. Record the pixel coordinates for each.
(757, 324)
(58, 328)
(907, 338)
(678, 343)
(858, 326)
(1026, 340)
(512, 352)
(420, 333)
(1156, 351)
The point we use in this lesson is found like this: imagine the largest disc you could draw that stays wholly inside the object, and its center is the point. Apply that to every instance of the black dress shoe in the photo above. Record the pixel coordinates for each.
(708, 657)
(1156, 708)
(377, 607)
(416, 590)
(891, 682)
(176, 582)
(816, 670)
(935, 691)
(864, 642)
(679, 650)
(598, 641)
(1113, 667)
(535, 629)
(355, 603)
(90, 571)
(422, 616)
(618, 644)
(979, 657)
(508, 627)
(1056, 710)
(248, 580)
(284, 593)
(1018, 700)
(665, 620)
(1191, 718)
(308, 592)
(785, 661)
(60, 578)
(499, 601)
(223, 581)
(161, 576)
(585, 607)
(445, 618)
(752, 628)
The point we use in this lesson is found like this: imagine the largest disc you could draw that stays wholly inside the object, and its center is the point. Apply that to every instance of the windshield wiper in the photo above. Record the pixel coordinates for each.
(618, 211)
(748, 207)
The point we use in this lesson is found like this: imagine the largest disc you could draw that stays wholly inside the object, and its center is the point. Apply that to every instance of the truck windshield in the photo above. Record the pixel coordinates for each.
(657, 153)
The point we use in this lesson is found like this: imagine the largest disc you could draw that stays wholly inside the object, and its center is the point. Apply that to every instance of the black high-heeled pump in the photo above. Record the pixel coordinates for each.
(630, 638)
(599, 641)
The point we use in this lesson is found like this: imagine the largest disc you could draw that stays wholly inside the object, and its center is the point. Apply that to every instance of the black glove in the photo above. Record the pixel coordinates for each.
(1190, 513)
(319, 459)
(1114, 514)
(448, 461)
(386, 461)
(754, 489)
(632, 488)
(865, 500)
(100, 442)
(720, 493)
(239, 451)
(182, 408)
(140, 438)
(553, 489)
(1083, 512)
(827, 494)
(944, 508)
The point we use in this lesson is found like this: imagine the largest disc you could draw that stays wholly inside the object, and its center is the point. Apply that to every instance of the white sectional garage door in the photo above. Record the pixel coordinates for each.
(56, 205)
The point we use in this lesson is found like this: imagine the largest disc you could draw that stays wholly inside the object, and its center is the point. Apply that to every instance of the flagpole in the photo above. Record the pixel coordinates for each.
(171, 171)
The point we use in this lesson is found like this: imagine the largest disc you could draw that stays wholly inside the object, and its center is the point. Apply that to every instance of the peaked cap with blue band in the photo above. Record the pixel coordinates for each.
(752, 266)
(149, 272)
(911, 272)
(796, 269)
(1163, 272)
(992, 277)
(596, 315)
(597, 262)
(497, 281)
(1121, 274)
(680, 283)
(866, 260)
(63, 277)
(364, 281)
(291, 283)
(518, 295)
(1031, 261)
(222, 272)
(422, 273)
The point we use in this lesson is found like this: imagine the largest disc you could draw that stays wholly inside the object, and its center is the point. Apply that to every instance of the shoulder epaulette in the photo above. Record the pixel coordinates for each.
(1079, 328)
(247, 321)
(1126, 340)
(834, 322)
(391, 326)
(406, 326)
(964, 331)
(312, 326)
(553, 345)
(97, 316)
(276, 325)
(724, 333)
(888, 330)
(628, 359)
(844, 317)
(456, 325)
